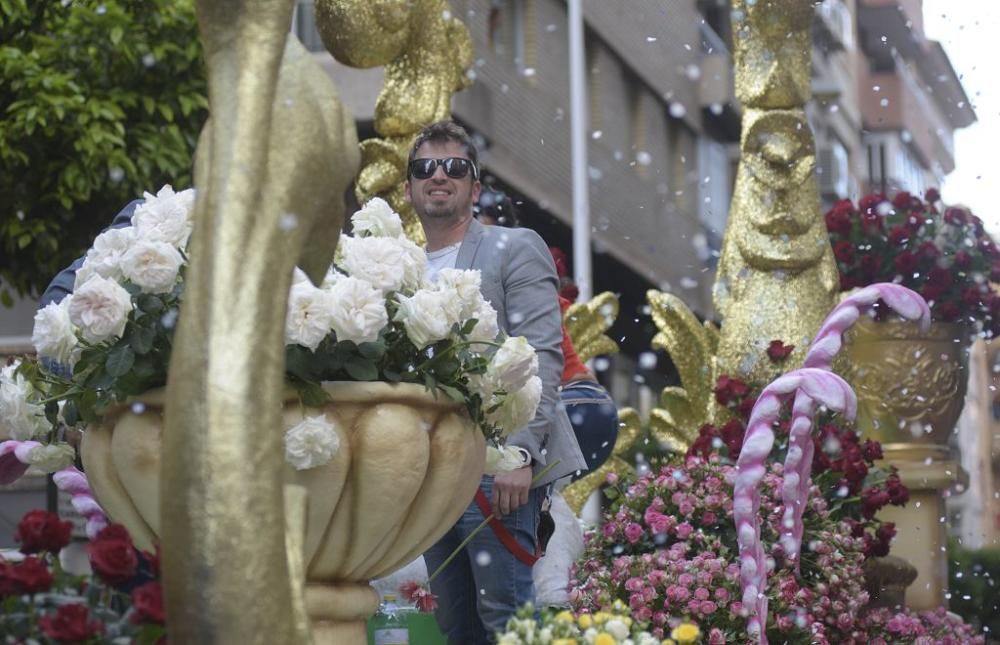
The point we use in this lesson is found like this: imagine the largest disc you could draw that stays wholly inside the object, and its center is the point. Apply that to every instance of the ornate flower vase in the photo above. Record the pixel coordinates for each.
(911, 389)
(910, 384)
(407, 468)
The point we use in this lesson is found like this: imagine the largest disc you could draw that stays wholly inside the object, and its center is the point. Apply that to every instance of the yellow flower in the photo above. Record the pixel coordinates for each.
(565, 616)
(685, 633)
(564, 641)
(585, 621)
(604, 638)
(669, 641)
(601, 617)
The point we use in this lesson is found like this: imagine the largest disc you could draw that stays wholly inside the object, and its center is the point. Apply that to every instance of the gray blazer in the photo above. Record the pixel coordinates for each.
(519, 279)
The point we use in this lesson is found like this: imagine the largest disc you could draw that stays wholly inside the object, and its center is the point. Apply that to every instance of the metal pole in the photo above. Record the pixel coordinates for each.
(578, 152)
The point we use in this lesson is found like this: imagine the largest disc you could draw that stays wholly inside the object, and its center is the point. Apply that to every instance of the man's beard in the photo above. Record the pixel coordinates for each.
(439, 212)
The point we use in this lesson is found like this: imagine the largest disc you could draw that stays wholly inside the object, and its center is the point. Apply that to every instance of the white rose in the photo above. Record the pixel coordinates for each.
(518, 408)
(421, 316)
(51, 458)
(20, 418)
(617, 628)
(165, 217)
(389, 263)
(486, 328)
(502, 459)
(310, 316)
(152, 266)
(298, 275)
(100, 309)
(105, 257)
(377, 219)
(466, 286)
(53, 335)
(312, 442)
(513, 364)
(357, 310)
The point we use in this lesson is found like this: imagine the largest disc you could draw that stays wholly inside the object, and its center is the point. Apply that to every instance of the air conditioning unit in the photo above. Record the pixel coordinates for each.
(836, 18)
(832, 171)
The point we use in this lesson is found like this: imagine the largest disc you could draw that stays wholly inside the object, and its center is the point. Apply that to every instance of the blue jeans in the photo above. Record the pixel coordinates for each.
(594, 418)
(482, 588)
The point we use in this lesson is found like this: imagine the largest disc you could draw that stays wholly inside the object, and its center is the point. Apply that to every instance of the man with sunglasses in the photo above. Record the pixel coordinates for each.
(478, 593)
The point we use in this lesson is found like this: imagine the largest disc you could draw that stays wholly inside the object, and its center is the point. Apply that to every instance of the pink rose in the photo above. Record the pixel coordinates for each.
(633, 532)
(684, 530)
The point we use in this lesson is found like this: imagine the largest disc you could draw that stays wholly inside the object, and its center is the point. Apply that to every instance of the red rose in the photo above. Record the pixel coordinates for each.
(949, 311)
(778, 351)
(872, 450)
(963, 260)
(929, 250)
(906, 263)
(728, 389)
(702, 446)
(914, 222)
(114, 559)
(988, 247)
(40, 531)
(114, 532)
(931, 292)
(932, 195)
(972, 297)
(869, 265)
(870, 203)
(559, 257)
(995, 272)
(899, 494)
(69, 624)
(872, 499)
(955, 216)
(899, 236)
(844, 251)
(30, 576)
(838, 218)
(902, 199)
(148, 602)
(732, 435)
(570, 292)
(940, 276)
(746, 407)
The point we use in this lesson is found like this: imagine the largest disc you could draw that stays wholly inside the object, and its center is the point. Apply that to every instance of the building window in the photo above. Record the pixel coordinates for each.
(508, 33)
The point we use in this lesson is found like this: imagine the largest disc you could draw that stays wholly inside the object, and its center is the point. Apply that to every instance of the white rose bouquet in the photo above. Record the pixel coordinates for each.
(377, 318)
(374, 318)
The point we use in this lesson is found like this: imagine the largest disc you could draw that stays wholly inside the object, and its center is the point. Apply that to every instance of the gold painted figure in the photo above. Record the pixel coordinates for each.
(271, 171)
(426, 54)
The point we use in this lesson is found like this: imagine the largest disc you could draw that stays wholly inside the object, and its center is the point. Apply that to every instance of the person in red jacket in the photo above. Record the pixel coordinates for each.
(590, 408)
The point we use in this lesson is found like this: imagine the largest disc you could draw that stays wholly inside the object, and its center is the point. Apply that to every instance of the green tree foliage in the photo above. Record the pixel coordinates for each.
(99, 100)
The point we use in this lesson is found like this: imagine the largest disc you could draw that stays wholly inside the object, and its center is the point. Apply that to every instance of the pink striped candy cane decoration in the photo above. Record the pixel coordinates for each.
(828, 342)
(14, 459)
(821, 386)
(74, 482)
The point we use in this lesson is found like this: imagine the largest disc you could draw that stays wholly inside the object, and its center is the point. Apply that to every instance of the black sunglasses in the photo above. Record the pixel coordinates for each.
(454, 167)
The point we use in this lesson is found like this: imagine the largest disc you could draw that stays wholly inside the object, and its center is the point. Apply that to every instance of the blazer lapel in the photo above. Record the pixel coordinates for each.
(470, 245)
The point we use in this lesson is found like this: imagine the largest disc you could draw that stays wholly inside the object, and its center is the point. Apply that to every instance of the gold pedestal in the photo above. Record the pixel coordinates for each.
(921, 536)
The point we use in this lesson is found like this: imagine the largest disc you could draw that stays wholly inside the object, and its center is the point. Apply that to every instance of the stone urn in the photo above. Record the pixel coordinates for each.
(407, 468)
(910, 384)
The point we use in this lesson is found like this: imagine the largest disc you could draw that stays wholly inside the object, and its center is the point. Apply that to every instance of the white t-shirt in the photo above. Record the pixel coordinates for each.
(441, 259)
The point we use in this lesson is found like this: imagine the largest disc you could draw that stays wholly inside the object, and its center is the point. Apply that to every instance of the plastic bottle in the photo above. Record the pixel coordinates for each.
(390, 623)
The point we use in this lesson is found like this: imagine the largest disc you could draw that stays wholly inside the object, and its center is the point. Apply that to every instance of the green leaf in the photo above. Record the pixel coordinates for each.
(141, 339)
(71, 413)
(361, 369)
(453, 392)
(116, 35)
(149, 303)
(372, 351)
(313, 395)
(120, 360)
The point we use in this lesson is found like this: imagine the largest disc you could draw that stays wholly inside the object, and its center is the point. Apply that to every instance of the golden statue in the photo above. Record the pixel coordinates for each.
(271, 171)
(426, 53)
(777, 278)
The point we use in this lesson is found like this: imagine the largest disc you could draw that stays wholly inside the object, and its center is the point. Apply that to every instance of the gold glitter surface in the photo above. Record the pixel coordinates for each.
(270, 174)
(426, 53)
(777, 278)
(773, 52)
(587, 323)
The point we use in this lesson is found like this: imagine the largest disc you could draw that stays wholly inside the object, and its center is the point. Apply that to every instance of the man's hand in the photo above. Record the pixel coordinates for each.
(510, 490)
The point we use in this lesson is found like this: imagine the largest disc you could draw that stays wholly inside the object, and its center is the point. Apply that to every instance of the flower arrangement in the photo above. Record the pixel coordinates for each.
(942, 253)
(935, 627)
(668, 549)
(42, 602)
(375, 317)
(843, 468)
(614, 627)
